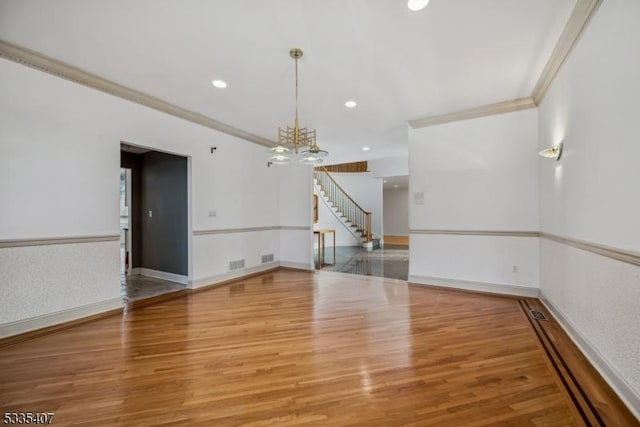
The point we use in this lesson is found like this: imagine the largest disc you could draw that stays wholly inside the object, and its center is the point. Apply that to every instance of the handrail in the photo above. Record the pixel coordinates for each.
(324, 169)
(349, 208)
(353, 167)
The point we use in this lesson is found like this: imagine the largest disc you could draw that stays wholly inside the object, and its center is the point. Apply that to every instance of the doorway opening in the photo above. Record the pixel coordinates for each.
(125, 223)
(347, 250)
(154, 244)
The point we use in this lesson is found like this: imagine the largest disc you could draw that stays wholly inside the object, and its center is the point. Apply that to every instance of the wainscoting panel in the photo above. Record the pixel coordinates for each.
(44, 279)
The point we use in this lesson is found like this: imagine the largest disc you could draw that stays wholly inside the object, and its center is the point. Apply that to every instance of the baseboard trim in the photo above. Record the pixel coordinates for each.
(297, 266)
(156, 274)
(27, 328)
(221, 279)
(467, 285)
(610, 374)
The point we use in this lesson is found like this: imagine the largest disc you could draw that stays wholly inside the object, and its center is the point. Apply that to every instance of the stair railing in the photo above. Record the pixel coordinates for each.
(348, 207)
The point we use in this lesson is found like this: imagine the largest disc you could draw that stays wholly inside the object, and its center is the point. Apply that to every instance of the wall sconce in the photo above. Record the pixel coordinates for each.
(552, 152)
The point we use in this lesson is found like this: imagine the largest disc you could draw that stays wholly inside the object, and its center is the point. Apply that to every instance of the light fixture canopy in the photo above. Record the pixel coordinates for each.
(350, 104)
(552, 152)
(292, 139)
(416, 5)
(220, 84)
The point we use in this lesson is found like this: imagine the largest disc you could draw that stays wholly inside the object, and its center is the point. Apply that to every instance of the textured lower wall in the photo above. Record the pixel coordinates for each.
(486, 259)
(40, 280)
(600, 297)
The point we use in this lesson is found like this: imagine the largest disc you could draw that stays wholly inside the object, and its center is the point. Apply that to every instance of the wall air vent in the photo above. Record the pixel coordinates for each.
(236, 265)
(267, 258)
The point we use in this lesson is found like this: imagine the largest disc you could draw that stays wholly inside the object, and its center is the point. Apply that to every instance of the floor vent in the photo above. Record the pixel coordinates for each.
(235, 265)
(267, 258)
(538, 315)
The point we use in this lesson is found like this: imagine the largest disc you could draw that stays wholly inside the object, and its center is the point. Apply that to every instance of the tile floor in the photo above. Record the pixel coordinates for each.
(392, 261)
(133, 288)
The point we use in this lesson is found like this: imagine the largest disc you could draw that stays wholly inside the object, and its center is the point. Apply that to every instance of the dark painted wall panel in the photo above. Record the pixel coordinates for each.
(164, 193)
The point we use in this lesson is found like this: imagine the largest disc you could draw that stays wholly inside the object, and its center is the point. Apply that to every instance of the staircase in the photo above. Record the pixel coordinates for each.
(344, 206)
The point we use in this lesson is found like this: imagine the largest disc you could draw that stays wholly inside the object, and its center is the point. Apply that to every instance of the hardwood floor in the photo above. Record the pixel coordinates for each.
(288, 348)
(397, 240)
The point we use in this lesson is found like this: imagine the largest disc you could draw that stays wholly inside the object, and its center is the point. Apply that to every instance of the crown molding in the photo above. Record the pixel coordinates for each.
(580, 17)
(582, 13)
(472, 113)
(57, 68)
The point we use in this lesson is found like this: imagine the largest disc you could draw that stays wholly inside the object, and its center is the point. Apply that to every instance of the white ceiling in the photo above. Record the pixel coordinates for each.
(398, 65)
(395, 182)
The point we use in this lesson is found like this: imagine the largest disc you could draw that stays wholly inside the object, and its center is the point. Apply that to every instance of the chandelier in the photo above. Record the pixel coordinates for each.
(296, 141)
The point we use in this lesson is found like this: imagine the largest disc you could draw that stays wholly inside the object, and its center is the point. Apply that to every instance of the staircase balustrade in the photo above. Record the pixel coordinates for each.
(350, 211)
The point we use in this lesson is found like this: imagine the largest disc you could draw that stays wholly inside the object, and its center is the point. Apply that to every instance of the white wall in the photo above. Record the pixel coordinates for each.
(396, 211)
(390, 166)
(592, 193)
(475, 175)
(296, 213)
(59, 177)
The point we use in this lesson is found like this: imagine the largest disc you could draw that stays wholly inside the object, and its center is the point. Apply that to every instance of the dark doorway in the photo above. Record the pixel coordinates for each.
(158, 252)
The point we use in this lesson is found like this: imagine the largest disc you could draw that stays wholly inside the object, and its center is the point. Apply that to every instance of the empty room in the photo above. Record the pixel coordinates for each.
(342, 212)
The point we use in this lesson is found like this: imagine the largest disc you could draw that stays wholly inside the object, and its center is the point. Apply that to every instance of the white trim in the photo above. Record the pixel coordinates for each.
(501, 233)
(606, 251)
(580, 17)
(295, 227)
(156, 274)
(236, 274)
(297, 265)
(623, 389)
(468, 285)
(60, 69)
(476, 112)
(250, 229)
(18, 243)
(34, 323)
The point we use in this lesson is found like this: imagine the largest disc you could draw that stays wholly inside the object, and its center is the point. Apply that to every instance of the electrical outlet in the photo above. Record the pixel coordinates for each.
(213, 214)
(150, 214)
(514, 269)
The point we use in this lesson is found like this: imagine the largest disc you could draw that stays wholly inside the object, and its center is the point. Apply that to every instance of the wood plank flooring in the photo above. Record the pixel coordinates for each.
(291, 348)
(397, 240)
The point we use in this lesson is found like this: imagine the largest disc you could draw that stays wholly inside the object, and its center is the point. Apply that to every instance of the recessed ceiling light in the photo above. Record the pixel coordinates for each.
(395, 186)
(220, 84)
(385, 181)
(366, 148)
(415, 5)
(350, 104)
